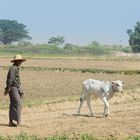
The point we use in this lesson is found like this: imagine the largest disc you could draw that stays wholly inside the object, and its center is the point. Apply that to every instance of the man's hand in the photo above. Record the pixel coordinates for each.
(21, 92)
(5, 92)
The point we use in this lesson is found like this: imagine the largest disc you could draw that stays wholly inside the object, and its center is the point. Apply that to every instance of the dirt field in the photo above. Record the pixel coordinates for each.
(61, 118)
(117, 64)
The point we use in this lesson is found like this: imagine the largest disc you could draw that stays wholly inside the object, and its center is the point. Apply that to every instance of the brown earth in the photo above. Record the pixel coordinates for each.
(61, 118)
(118, 64)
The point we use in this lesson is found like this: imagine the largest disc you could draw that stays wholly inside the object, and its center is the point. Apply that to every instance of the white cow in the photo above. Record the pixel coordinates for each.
(102, 89)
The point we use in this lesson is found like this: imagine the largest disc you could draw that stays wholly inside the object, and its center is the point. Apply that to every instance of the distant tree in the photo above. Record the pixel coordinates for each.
(95, 43)
(12, 31)
(134, 38)
(69, 46)
(24, 43)
(59, 40)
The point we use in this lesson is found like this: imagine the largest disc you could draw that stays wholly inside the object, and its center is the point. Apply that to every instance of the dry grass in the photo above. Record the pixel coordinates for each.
(55, 84)
(40, 85)
(79, 63)
(48, 85)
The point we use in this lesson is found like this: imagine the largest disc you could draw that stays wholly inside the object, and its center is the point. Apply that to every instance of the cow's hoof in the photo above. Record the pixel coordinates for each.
(105, 115)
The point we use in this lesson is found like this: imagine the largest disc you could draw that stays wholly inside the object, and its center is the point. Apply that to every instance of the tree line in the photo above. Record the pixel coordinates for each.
(12, 31)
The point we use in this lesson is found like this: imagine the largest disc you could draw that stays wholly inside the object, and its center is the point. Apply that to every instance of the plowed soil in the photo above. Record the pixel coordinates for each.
(62, 118)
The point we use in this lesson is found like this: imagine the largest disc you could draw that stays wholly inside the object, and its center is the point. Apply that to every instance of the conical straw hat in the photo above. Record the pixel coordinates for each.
(18, 57)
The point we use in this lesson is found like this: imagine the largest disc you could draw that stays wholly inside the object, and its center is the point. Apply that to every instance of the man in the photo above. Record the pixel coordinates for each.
(15, 93)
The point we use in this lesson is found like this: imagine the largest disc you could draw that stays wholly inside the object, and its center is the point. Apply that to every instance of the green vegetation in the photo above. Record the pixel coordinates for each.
(67, 50)
(24, 136)
(134, 38)
(12, 31)
(82, 70)
(134, 138)
(56, 40)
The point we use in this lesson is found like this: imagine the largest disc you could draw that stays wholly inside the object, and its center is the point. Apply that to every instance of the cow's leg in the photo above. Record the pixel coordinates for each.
(89, 105)
(106, 107)
(82, 99)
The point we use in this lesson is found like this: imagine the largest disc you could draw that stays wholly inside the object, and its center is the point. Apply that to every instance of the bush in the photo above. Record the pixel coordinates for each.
(69, 49)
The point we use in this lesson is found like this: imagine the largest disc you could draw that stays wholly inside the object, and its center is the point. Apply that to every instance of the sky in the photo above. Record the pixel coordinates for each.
(79, 21)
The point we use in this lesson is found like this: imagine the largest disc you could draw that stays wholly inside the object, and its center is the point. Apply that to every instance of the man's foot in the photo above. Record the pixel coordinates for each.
(11, 124)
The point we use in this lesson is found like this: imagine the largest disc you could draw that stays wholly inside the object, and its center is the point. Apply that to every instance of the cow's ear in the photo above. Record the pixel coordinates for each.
(113, 82)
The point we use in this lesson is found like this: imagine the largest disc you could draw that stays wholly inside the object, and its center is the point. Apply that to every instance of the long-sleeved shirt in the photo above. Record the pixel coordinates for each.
(13, 78)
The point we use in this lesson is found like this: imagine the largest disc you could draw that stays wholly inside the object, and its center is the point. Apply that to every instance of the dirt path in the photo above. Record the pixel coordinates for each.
(61, 118)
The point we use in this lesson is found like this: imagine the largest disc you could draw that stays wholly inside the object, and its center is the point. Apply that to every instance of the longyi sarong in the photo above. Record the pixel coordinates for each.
(15, 104)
